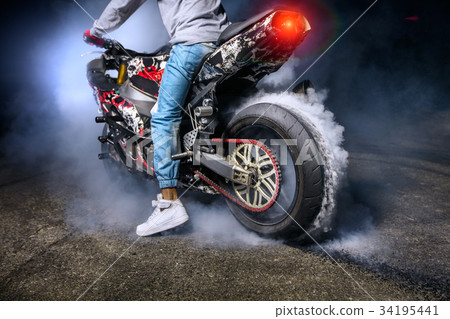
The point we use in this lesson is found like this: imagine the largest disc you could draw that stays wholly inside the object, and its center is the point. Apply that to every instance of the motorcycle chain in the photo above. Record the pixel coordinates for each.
(231, 196)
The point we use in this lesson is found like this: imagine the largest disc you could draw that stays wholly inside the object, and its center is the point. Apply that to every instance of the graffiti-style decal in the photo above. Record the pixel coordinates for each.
(125, 108)
(256, 50)
(145, 73)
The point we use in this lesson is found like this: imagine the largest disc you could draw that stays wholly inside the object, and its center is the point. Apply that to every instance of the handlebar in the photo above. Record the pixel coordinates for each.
(113, 46)
(110, 44)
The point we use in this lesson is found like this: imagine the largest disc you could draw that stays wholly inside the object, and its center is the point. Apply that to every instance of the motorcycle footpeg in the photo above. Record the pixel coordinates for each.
(100, 119)
(177, 157)
(103, 139)
(103, 156)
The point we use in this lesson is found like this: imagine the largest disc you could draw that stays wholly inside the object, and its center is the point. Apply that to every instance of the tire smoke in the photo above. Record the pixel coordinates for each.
(329, 136)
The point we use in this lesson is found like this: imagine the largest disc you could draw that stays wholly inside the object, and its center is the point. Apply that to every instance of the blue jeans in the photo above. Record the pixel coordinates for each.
(175, 83)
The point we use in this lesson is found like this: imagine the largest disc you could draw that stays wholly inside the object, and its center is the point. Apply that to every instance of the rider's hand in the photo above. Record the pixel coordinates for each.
(92, 40)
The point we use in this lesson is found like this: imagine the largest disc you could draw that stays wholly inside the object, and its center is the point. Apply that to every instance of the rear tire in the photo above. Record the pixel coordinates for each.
(292, 142)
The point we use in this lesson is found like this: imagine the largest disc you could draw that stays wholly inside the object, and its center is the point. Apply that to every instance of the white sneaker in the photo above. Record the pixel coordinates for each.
(166, 215)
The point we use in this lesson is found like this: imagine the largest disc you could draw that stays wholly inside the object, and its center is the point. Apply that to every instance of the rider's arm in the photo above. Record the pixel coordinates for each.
(114, 15)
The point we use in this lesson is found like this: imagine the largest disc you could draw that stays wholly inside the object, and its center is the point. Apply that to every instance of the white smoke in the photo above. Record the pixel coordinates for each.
(283, 77)
(213, 224)
(358, 238)
(328, 135)
(366, 244)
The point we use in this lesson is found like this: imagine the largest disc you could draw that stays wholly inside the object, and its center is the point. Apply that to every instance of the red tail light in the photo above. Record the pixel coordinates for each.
(291, 25)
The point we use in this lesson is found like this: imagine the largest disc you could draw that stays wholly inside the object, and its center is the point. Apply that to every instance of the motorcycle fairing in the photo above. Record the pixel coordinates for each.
(248, 56)
(127, 109)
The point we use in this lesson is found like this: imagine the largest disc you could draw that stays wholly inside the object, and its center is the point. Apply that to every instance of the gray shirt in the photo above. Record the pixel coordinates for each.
(187, 21)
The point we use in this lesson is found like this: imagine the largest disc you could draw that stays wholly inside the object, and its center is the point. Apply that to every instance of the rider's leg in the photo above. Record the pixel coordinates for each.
(166, 119)
(169, 211)
(169, 193)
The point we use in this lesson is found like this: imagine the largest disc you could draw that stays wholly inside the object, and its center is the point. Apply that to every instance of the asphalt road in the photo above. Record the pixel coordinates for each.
(62, 239)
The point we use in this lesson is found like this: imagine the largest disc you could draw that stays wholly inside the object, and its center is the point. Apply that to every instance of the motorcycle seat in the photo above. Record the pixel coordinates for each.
(165, 49)
(238, 27)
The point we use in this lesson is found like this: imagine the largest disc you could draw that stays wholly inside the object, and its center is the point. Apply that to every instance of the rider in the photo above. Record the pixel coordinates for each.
(194, 26)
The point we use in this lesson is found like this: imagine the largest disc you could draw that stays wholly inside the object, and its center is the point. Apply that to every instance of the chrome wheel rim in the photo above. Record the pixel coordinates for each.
(266, 175)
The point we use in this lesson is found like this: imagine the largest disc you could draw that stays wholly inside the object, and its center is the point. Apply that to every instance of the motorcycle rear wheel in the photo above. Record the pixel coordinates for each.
(301, 191)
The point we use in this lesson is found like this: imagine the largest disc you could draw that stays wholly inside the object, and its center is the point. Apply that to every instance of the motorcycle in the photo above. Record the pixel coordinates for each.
(264, 159)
